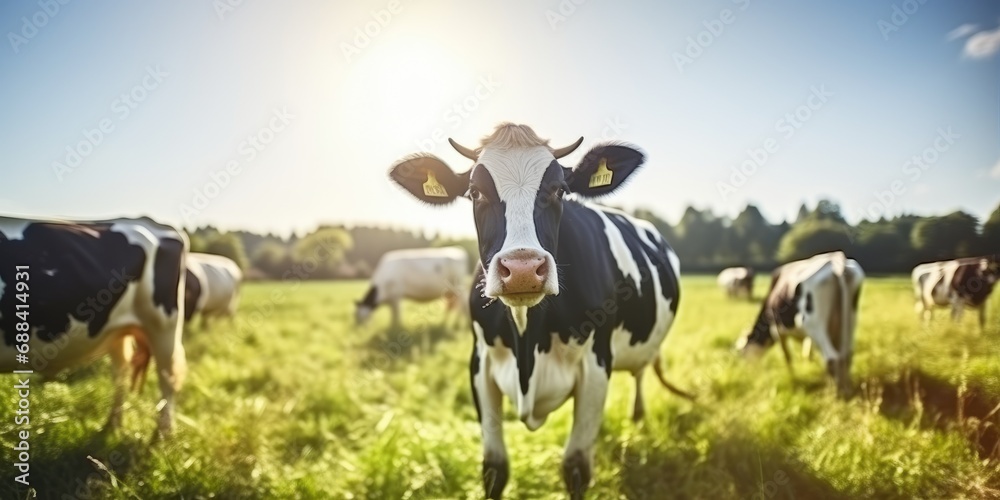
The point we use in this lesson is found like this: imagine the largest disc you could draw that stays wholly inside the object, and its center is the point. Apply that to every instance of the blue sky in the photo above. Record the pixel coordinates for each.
(332, 110)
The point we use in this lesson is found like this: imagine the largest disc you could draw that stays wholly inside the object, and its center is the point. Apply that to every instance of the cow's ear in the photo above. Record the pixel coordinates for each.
(427, 178)
(604, 169)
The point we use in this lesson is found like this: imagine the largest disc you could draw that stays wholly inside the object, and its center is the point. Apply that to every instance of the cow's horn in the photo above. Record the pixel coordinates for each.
(462, 150)
(559, 153)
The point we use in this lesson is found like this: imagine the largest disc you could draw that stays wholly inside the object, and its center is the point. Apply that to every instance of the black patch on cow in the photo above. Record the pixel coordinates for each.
(594, 297)
(192, 292)
(971, 283)
(473, 370)
(76, 270)
(809, 303)
(489, 213)
(370, 297)
(167, 265)
(549, 207)
(778, 309)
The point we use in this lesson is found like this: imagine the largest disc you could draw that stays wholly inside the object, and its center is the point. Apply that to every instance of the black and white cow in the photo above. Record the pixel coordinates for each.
(736, 281)
(958, 283)
(567, 291)
(816, 300)
(212, 287)
(73, 291)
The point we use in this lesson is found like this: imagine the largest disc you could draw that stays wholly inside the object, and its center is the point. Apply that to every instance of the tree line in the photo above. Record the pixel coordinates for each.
(704, 242)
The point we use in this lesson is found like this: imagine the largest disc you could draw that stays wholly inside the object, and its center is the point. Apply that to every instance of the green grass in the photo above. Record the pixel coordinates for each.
(294, 401)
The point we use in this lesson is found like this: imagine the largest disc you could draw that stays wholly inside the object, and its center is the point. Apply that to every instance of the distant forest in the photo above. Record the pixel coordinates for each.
(705, 243)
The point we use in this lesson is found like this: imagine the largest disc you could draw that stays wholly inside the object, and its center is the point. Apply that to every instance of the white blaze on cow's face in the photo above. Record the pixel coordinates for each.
(517, 203)
(517, 185)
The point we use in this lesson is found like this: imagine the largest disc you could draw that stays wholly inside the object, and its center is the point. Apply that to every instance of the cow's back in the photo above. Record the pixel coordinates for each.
(421, 274)
(220, 281)
(87, 279)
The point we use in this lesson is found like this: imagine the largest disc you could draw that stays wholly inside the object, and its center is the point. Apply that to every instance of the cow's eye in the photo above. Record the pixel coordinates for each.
(560, 192)
(475, 194)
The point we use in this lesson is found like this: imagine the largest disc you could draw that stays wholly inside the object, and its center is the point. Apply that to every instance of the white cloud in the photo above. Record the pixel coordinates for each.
(962, 31)
(983, 44)
(995, 173)
(921, 189)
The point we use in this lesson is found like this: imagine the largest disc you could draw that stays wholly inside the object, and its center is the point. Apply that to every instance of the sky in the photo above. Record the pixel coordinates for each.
(279, 116)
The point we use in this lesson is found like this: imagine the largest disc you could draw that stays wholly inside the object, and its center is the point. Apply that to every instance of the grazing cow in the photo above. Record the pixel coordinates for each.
(212, 287)
(72, 291)
(422, 275)
(567, 291)
(956, 283)
(814, 299)
(736, 280)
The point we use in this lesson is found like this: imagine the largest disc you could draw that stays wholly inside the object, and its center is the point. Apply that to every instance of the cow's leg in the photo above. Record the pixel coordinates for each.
(956, 309)
(807, 351)
(171, 367)
(982, 317)
(121, 353)
(489, 404)
(394, 307)
(783, 340)
(639, 408)
(588, 411)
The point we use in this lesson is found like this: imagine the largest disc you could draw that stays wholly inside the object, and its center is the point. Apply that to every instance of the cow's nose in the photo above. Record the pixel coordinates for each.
(523, 272)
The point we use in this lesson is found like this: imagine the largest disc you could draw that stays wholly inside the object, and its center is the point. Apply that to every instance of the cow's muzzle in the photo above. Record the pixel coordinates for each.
(522, 277)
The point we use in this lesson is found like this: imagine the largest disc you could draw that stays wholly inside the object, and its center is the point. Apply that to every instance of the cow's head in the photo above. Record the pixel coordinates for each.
(753, 343)
(991, 269)
(517, 187)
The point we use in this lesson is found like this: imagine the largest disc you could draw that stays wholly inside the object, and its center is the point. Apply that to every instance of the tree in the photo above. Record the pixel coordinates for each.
(271, 258)
(880, 248)
(227, 245)
(813, 237)
(990, 243)
(320, 253)
(948, 237)
(829, 210)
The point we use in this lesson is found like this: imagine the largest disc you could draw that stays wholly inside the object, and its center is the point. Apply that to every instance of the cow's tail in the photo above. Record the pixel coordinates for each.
(658, 369)
(839, 269)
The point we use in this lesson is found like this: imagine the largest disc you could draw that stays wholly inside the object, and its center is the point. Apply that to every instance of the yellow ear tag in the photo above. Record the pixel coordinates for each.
(434, 188)
(603, 176)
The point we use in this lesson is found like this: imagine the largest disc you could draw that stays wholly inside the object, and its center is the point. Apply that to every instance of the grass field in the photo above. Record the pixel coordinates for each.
(294, 401)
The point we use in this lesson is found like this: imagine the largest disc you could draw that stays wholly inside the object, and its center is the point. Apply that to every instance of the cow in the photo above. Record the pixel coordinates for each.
(815, 299)
(420, 274)
(73, 291)
(737, 280)
(958, 283)
(212, 287)
(567, 290)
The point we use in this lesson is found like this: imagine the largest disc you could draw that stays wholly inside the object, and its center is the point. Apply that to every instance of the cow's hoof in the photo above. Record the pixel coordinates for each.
(576, 474)
(495, 475)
